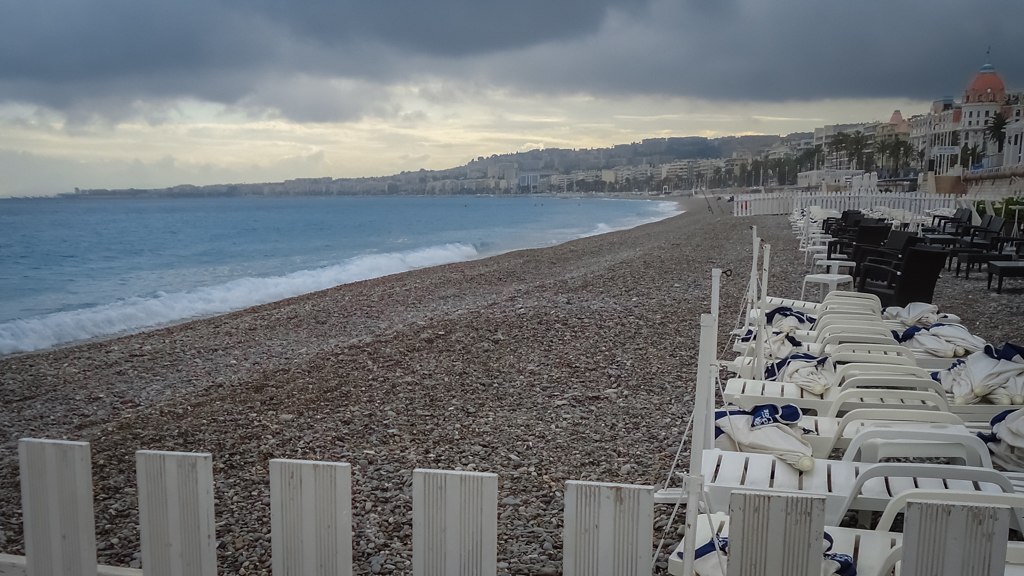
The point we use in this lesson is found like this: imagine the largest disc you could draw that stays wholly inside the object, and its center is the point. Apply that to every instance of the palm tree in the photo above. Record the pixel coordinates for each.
(995, 129)
(902, 151)
(969, 155)
(856, 145)
(883, 148)
(838, 144)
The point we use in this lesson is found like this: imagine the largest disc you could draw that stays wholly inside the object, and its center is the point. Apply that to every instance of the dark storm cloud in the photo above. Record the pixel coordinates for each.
(106, 56)
(783, 50)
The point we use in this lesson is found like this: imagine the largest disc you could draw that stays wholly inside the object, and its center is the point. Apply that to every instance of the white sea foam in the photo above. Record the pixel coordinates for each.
(134, 314)
(665, 210)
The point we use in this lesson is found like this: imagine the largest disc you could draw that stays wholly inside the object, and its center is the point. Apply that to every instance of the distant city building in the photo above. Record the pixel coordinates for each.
(529, 182)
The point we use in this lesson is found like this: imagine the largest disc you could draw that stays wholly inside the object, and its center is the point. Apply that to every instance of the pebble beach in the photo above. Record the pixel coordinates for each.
(574, 362)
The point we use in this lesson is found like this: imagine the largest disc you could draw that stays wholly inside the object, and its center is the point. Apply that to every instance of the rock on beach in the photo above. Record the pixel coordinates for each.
(563, 363)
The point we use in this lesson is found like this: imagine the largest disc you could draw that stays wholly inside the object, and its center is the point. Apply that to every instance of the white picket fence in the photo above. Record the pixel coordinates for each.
(608, 528)
(762, 204)
(785, 203)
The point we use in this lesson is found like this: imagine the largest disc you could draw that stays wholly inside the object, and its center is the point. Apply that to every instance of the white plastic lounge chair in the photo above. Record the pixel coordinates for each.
(792, 547)
(830, 433)
(841, 378)
(851, 302)
(875, 551)
(843, 484)
(819, 342)
(957, 541)
(875, 391)
(847, 353)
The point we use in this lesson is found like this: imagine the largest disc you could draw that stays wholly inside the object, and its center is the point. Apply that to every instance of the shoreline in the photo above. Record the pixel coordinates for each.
(66, 319)
(555, 355)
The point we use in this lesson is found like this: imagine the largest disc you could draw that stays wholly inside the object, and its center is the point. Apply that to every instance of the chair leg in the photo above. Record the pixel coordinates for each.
(803, 290)
(832, 286)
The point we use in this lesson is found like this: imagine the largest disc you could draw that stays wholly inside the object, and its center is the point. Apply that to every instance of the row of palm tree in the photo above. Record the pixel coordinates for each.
(856, 149)
(888, 155)
(899, 153)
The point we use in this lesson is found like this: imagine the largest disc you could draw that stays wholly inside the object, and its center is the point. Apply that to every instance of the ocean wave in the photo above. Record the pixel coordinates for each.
(664, 210)
(134, 314)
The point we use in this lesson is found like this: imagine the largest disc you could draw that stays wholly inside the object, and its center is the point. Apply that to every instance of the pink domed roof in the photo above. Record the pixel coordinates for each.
(896, 117)
(989, 80)
(987, 86)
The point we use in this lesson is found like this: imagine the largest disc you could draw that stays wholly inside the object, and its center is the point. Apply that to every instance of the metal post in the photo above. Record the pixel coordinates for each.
(716, 281)
(764, 273)
(752, 289)
(703, 419)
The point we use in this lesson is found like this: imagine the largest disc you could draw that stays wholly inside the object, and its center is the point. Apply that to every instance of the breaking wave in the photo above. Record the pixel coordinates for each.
(134, 314)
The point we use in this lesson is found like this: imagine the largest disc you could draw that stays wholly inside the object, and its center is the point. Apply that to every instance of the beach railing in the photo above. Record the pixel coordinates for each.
(918, 203)
(608, 528)
(762, 204)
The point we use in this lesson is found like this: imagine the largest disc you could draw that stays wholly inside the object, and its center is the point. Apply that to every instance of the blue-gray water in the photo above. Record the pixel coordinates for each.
(74, 269)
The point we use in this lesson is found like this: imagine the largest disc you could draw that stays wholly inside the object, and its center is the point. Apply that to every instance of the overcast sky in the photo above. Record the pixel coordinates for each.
(122, 93)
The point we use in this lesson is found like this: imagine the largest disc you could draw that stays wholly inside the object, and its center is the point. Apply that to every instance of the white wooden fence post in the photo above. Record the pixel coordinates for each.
(176, 522)
(773, 534)
(311, 518)
(454, 523)
(703, 434)
(949, 539)
(609, 529)
(56, 503)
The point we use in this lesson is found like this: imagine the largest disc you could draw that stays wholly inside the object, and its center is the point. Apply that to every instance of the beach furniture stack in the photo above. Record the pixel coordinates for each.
(874, 401)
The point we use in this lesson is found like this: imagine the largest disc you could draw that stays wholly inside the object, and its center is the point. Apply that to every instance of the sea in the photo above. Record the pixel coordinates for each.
(75, 269)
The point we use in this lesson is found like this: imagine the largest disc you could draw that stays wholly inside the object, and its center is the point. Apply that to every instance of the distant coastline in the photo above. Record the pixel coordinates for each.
(647, 167)
(215, 191)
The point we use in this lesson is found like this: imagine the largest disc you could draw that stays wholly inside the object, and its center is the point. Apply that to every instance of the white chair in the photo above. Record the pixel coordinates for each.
(832, 281)
(831, 266)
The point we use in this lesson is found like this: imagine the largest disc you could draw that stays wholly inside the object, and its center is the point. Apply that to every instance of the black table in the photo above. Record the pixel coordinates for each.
(941, 239)
(978, 257)
(1013, 269)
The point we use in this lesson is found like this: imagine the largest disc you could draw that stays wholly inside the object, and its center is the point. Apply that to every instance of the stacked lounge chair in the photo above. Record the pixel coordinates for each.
(880, 404)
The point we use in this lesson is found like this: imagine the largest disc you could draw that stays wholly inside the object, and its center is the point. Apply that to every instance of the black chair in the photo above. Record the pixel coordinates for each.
(865, 235)
(939, 223)
(984, 245)
(962, 230)
(894, 248)
(913, 280)
(982, 237)
(831, 225)
(848, 229)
